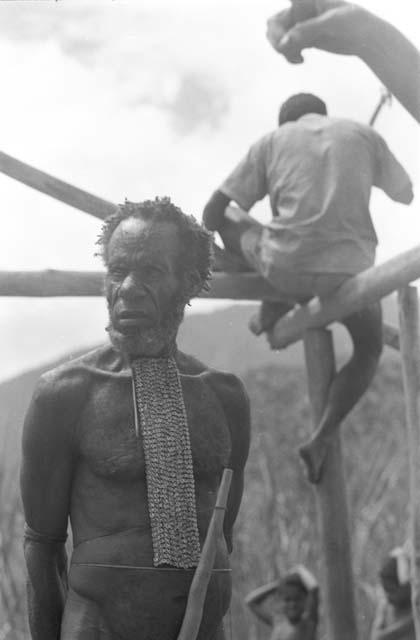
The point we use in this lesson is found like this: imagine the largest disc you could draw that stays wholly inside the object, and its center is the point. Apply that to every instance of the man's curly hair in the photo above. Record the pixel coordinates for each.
(196, 256)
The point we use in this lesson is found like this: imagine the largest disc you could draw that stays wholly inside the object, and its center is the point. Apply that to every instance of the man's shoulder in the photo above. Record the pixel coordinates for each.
(228, 382)
(226, 386)
(70, 380)
(189, 365)
(350, 126)
(229, 389)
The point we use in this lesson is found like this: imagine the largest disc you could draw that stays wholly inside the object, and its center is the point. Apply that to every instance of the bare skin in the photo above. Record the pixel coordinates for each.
(82, 461)
(291, 612)
(394, 618)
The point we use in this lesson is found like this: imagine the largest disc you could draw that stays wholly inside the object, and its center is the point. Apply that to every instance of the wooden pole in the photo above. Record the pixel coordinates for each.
(410, 353)
(357, 292)
(55, 188)
(339, 600)
(52, 282)
(198, 589)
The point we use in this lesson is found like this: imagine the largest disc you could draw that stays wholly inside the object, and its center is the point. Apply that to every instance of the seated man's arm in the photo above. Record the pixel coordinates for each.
(46, 473)
(390, 175)
(245, 186)
(214, 211)
(235, 403)
(257, 601)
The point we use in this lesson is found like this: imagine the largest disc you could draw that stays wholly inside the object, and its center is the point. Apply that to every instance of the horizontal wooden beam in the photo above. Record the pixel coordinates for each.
(225, 286)
(355, 294)
(229, 286)
(63, 191)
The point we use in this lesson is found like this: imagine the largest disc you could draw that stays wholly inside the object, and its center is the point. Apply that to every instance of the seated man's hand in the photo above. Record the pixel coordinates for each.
(336, 28)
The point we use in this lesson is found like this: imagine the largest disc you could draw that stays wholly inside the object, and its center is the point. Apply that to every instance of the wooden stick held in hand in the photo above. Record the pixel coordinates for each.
(202, 575)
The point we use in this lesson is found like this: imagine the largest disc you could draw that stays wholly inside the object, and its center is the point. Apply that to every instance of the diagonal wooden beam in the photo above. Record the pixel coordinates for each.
(356, 293)
(63, 191)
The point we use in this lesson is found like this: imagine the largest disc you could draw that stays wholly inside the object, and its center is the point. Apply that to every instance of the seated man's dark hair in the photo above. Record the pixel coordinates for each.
(299, 105)
(196, 258)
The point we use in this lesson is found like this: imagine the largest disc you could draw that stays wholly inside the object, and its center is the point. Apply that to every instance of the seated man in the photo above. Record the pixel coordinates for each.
(130, 442)
(318, 172)
(394, 617)
(289, 605)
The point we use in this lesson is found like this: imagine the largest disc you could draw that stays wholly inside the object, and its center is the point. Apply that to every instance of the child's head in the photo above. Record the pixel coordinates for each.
(294, 594)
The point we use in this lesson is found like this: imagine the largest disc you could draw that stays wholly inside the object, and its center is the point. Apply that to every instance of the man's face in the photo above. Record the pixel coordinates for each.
(143, 286)
(294, 601)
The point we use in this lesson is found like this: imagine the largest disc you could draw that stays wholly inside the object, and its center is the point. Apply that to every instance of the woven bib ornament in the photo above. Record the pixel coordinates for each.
(159, 405)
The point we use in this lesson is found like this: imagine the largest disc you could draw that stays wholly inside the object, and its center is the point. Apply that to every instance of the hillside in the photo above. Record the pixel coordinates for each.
(37, 331)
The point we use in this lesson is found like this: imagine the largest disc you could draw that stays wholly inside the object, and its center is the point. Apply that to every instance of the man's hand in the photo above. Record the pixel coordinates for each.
(345, 28)
(336, 28)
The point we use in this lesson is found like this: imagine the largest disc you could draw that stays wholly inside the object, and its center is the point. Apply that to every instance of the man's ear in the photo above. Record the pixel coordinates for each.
(193, 283)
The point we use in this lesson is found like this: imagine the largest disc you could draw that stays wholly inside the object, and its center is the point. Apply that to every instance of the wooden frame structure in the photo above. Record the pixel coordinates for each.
(308, 323)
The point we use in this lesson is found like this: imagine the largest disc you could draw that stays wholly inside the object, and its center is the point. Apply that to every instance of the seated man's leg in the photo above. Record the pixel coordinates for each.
(269, 312)
(241, 236)
(365, 328)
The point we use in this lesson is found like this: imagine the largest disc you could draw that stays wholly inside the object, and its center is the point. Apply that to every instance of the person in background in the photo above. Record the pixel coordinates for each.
(394, 618)
(288, 605)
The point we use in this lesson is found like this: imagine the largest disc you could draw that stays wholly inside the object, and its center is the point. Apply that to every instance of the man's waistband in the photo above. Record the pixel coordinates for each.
(102, 565)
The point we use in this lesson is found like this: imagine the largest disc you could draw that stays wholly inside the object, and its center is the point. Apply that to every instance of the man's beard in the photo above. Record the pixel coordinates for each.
(151, 342)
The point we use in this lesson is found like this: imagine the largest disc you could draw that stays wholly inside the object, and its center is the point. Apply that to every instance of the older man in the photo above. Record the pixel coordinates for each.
(129, 442)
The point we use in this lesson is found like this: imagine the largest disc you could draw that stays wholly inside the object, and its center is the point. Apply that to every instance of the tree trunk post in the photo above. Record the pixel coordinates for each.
(410, 354)
(333, 525)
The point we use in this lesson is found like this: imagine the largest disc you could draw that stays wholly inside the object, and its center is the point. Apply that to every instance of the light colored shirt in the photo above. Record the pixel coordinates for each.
(318, 173)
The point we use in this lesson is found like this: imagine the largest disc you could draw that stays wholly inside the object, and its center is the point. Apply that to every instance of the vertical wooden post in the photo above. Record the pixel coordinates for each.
(410, 353)
(338, 598)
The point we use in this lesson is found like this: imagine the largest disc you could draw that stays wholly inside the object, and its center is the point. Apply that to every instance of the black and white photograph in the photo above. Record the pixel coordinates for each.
(210, 327)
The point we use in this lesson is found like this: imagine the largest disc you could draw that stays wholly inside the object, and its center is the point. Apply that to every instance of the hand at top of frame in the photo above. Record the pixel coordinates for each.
(330, 25)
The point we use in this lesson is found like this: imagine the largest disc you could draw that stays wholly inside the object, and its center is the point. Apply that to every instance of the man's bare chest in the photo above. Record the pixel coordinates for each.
(107, 439)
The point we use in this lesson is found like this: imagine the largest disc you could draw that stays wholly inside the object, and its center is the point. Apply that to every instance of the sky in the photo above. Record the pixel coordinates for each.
(155, 97)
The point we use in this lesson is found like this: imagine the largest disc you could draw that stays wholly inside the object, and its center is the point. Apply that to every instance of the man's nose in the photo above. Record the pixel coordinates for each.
(133, 286)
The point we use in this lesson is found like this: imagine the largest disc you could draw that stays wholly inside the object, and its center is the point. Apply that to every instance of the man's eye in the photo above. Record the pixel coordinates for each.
(117, 272)
(151, 271)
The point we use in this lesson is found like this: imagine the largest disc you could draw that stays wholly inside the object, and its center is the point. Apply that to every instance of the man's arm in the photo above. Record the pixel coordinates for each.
(214, 211)
(46, 474)
(397, 631)
(256, 601)
(390, 175)
(245, 186)
(345, 28)
(235, 403)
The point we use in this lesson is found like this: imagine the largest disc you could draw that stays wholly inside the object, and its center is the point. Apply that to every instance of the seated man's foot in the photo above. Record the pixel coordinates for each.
(255, 324)
(313, 455)
(227, 261)
(267, 316)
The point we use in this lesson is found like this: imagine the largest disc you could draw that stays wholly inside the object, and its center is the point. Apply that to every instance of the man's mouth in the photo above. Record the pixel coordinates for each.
(133, 318)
